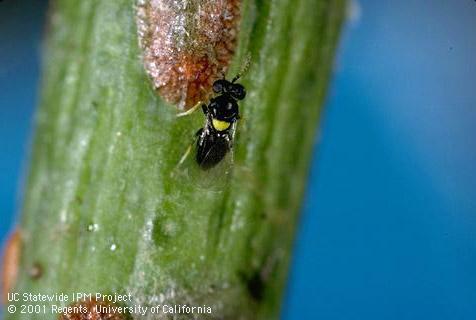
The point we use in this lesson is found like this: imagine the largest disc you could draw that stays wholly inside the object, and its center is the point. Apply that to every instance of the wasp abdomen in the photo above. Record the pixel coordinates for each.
(211, 149)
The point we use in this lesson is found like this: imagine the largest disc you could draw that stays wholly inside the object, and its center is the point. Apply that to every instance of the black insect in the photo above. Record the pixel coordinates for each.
(215, 139)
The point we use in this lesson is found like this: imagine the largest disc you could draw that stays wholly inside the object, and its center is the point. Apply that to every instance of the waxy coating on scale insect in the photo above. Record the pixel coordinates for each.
(216, 137)
(187, 45)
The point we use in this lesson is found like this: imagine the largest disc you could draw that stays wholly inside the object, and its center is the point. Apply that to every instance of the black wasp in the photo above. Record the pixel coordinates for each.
(215, 139)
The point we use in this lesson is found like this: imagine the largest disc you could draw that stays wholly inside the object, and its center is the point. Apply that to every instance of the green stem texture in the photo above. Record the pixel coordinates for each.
(106, 208)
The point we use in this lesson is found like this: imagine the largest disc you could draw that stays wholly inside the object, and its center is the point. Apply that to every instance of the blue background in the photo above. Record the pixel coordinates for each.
(389, 223)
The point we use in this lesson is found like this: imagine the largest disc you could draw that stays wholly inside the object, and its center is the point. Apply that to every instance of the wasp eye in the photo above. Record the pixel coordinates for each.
(237, 91)
(219, 85)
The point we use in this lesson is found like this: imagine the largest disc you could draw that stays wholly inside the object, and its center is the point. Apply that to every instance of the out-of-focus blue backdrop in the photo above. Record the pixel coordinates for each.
(389, 223)
(21, 29)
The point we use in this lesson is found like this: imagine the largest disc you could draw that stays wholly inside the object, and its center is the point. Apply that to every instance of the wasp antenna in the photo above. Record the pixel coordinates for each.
(244, 68)
(236, 78)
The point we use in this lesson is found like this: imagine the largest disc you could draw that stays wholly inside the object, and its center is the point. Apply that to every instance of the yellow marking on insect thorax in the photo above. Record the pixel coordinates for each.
(220, 125)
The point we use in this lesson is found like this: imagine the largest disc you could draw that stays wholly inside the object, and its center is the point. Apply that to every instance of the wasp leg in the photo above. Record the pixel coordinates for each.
(184, 156)
(231, 136)
(189, 149)
(232, 153)
(189, 111)
(230, 139)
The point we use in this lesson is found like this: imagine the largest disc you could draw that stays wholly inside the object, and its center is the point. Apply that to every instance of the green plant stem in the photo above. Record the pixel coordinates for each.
(106, 210)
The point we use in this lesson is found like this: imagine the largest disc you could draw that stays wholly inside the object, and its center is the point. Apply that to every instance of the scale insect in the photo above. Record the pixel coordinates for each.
(187, 45)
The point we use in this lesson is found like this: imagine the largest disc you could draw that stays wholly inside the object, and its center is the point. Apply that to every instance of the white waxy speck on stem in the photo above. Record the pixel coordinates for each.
(93, 227)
